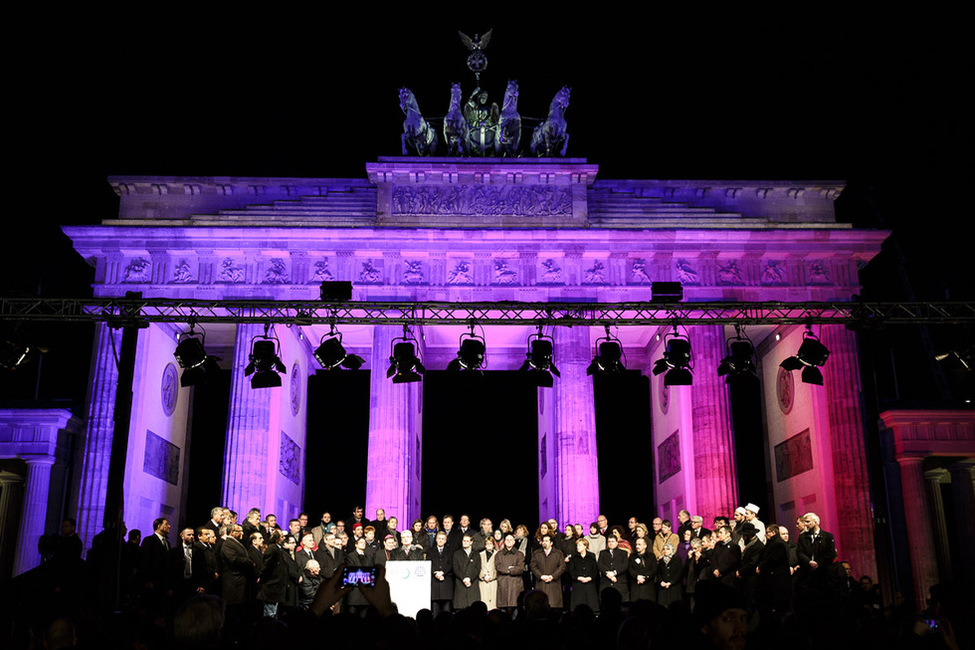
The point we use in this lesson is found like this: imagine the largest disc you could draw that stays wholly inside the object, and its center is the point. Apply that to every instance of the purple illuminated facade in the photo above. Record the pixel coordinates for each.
(485, 230)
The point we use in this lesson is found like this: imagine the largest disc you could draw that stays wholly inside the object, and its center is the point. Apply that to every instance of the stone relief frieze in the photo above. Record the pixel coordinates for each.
(137, 271)
(638, 272)
(322, 274)
(413, 273)
(182, 273)
(527, 201)
(277, 272)
(370, 274)
(503, 274)
(230, 272)
(551, 273)
(818, 273)
(289, 459)
(686, 274)
(595, 274)
(773, 272)
(461, 274)
(729, 274)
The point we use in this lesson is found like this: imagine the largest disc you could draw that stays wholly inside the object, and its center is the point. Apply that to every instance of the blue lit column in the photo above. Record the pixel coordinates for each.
(34, 513)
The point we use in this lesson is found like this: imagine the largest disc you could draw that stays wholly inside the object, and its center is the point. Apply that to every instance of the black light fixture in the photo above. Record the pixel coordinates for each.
(12, 354)
(265, 361)
(811, 356)
(405, 366)
(192, 357)
(609, 358)
(538, 365)
(470, 356)
(740, 363)
(676, 361)
(331, 354)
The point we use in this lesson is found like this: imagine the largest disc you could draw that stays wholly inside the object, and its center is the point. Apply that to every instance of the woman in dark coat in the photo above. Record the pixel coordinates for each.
(669, 574)
(510, 564)
(695, 569)
(643, 571)
(585, 577)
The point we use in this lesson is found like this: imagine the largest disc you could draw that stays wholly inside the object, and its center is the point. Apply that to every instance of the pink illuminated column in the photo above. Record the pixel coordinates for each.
(920, 538)
(246, 469)
(851, 485)
(97, 451)
(34, 513)
(393, 475)
(712, 439)
(574, 476)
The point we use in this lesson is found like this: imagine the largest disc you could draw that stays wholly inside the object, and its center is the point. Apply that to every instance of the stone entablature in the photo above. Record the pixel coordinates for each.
(584, 263)
(931, 432)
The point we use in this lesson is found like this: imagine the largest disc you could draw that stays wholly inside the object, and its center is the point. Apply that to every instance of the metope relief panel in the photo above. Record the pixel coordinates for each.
(638, 272)
(137, 271)
(818, 273)
(290, 459)
(774, 273)
(685, 272)
(184, 271)
(479, 200)
(550, 272)
(276, 272)
(505, 273)
(161, 458)
(461, 274)
(668, 456)
(370, 272)
(793, 456)
(595, 274)
(413, 272)
(729, 274)
(231, 271)
(321, 272)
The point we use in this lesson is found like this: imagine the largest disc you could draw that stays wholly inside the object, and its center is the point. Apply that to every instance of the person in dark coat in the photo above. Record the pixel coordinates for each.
(642, 572)
(311, 579)
(669, 574)
(750, 556)
(585, 577)
(774, 591)
(274, 577)
(614, 566)
(441, 575)
(510, 564)
(408, 549)
(467, 569)
(255, 553)
(548, 565)
(696, 568)
(328, 555)
(154, 556)
(816, 552)
(388, 551)
(725, 558)
(187, 567)
(236, 568)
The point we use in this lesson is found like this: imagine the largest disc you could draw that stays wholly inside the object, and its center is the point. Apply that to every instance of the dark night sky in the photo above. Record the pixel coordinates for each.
(875, 99)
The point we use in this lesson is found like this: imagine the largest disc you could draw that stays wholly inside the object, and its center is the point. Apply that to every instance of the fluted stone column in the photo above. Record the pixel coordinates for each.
(573, 428)
(394, 428)
(712, 438)
(850, 482)
(97, 451)
(10, 487)
(938, 524)
(920, 538)
(34, 513)
(246, 470)
(963, 496)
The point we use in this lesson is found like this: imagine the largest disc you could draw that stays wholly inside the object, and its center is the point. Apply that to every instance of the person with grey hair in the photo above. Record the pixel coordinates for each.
(816, 552)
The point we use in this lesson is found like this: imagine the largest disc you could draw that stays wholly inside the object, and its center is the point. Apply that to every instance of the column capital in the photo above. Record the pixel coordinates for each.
(937, 475)
(38, 460)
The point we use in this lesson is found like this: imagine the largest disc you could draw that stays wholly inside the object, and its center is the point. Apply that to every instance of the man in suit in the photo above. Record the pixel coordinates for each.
(774, 573)
(236, 568)
(725, 557)
(467, 569)
(697, 528)
(187, 566)
(816, 552)
(548, 565)
(441, 575)
(408, 550)
(614, 565)
(155, 553)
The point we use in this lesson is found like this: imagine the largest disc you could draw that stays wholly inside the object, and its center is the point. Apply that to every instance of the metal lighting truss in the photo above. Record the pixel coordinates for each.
(134, 310)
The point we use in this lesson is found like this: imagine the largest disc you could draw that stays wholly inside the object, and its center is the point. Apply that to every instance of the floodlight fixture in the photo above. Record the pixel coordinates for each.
(810, 358)
(470, 356)
(331, 354)
(335, 291)
(609, 358)
(405, 366)
(12, 354)
(192, 357)
(676, 361)
(740, 362)
(538, 366)
(265, 361)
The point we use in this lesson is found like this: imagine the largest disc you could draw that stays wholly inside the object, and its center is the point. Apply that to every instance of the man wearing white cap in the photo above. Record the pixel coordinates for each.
(751, 516)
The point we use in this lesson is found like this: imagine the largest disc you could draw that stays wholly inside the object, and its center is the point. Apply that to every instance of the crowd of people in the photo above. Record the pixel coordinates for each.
(738, 582)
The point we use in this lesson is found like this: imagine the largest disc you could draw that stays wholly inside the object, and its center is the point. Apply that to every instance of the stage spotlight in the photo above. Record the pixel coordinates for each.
(265, 362)
(12, 354)
(470, 356)
(811, 356)
(405, 366)
(332, 355)
(609, 358)
(192, 358)
(538, 364)
(676, 361)
(739, 364)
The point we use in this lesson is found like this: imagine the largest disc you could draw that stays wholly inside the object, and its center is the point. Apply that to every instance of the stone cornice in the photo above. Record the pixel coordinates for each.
(919, 433)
